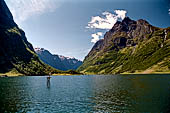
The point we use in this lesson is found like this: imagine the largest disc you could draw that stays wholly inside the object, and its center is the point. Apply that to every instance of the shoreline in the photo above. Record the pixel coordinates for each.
(19, 75)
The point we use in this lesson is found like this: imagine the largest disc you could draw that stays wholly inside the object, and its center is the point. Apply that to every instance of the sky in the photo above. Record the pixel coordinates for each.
(71, 27)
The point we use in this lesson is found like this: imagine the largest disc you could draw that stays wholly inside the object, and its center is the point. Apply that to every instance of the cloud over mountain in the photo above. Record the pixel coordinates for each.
(104, 22)
(107, 20)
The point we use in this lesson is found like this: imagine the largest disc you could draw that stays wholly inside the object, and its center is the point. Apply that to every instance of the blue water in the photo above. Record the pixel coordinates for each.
(86, 94)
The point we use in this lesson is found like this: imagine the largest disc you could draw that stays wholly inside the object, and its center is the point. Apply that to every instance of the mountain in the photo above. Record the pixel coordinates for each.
(16, 53)
(70, 62)
(130, 47)
(58, 61)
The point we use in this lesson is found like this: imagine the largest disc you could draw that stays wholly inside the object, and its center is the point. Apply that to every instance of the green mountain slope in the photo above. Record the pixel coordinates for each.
(130, 47)
(17, 55)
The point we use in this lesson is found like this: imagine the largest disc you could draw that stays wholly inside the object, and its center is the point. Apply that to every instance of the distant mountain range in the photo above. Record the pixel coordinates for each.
(130, 47)
(58, 61)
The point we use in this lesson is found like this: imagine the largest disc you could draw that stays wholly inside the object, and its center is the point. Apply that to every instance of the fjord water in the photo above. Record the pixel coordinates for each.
(79, 94)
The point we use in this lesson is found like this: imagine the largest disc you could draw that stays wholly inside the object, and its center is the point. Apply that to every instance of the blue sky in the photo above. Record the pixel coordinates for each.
(61, 25)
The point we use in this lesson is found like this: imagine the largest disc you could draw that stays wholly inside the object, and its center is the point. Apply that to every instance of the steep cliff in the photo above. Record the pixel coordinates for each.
(130, 47)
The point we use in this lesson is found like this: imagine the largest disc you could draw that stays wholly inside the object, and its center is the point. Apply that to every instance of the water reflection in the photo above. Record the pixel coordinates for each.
(132, 94)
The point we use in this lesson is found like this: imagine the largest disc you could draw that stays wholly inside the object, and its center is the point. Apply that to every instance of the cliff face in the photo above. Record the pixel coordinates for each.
(130, 47)
(57, 61)
(16, 53)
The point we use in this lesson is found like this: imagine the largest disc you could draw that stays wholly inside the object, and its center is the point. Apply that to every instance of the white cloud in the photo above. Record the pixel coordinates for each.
(96, 37)
(169, 11)
(121, 13)
(24, 9)
(106, 22)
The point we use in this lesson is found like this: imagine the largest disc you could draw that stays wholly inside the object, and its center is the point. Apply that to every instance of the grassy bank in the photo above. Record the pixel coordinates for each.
(9, 74)
(14, 73)
(128, 73)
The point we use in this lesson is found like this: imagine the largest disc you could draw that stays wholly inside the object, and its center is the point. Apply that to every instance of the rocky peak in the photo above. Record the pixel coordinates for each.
(124, 33)
(126, 25)
(127, 21)
(131, 28)
(142, 21)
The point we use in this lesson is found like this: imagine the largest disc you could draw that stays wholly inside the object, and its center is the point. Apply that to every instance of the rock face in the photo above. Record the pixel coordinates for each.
(16, 53)
(58, 61)
(130, 47)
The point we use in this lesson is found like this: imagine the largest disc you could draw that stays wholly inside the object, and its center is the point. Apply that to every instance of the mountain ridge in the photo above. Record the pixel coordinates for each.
(116, 52)
(58, 61)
